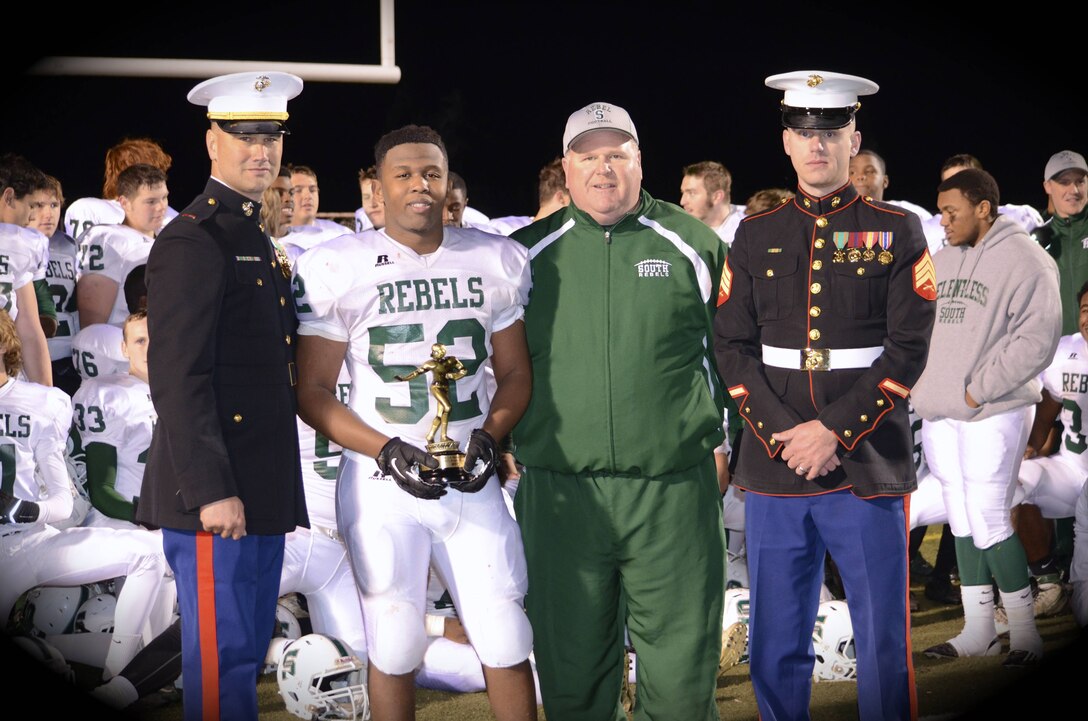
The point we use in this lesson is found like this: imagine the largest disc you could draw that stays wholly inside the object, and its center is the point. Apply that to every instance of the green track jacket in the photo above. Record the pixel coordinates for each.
(619, 329)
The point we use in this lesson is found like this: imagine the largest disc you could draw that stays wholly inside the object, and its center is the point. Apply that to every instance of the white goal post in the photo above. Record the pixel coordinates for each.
(387, 72)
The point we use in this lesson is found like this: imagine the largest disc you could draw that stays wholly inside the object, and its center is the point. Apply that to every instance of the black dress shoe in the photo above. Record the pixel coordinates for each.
(942, 590)
(921, 570)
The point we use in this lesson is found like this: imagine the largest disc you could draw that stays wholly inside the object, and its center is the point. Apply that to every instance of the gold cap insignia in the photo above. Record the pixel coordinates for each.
(263, 81)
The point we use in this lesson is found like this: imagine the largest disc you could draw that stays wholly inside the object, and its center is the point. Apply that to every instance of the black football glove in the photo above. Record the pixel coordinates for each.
(402, 461)
(14, 510)
(480, 459)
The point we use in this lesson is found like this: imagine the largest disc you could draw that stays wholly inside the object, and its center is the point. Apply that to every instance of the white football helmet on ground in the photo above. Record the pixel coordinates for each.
(321, 678)
(51, 610)
(833, 643)
(274, 654)
(736, 611)
(96, 614)
(287, 624)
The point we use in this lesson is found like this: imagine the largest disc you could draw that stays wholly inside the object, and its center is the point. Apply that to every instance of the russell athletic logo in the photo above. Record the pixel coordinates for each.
(652, 268)
(383, 260)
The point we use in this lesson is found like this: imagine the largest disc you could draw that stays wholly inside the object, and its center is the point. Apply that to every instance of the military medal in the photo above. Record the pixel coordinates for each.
(854, 255)
(885, 256)
(840, 242)
(869, 255)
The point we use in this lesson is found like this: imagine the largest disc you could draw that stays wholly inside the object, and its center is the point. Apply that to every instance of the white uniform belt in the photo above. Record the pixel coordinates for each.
(820, 359)
(326, 531)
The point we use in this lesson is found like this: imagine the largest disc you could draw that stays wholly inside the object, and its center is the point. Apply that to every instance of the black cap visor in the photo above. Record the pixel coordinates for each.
(253, 127)
(817, 118)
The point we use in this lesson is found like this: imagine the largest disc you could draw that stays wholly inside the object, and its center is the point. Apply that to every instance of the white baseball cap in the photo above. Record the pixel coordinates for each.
(819, 99)
(254, 102)
(597, 116)
(1064, 160)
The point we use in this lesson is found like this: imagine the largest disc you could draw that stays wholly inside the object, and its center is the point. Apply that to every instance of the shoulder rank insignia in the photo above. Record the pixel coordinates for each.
(726, 284)
(925, 277)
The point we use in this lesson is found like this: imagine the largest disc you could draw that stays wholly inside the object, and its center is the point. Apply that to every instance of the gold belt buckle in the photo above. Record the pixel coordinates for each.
(815, 359)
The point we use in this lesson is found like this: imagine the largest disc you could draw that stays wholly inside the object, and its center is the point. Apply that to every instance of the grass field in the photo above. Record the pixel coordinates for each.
(965, 688)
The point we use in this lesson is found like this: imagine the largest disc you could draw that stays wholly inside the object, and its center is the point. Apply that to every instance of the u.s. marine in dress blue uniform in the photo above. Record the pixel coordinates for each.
(223, 477)
(825, 310)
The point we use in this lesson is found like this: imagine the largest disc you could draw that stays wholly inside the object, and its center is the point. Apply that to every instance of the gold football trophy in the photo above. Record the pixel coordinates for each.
(443, 369)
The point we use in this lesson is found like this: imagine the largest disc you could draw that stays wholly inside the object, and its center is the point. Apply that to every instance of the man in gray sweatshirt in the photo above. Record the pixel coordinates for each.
(998, 324)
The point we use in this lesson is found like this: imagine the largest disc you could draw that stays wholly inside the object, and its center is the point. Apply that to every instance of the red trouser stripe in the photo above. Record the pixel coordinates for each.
(209, 642)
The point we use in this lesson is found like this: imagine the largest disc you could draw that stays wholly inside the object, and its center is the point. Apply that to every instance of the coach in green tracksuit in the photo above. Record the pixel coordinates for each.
(619, 506)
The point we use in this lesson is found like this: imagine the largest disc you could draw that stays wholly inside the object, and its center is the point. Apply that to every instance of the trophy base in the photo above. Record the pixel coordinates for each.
(451, 462)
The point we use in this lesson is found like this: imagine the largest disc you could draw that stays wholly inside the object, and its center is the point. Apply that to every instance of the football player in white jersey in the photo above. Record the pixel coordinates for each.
(383, 301)
(108, 253)
(21, 249)
(1054, 482)
(60, 276)
(868, 173)
(114, 417)
(85, 213)
(32, 552)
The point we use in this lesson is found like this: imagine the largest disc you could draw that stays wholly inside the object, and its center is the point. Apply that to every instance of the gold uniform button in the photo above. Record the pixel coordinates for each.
(821, 222)
(880, 403)
(819, 243)
(814, 311)
(237, 417)
(770, 273)
(748, 409)
(848, 433)
(864, 418)
(861, 271)
(817, 264)
(260, 281)
(211, 201)
(759, 424)
(815, 288)
(773, 441)
(814, 334)
(287, 339)
(283, 301)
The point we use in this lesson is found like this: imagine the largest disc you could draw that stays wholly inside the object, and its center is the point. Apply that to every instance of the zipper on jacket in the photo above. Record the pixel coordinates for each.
(608, 346)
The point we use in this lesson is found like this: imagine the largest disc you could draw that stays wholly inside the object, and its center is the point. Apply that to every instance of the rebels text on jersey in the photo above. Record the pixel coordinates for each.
(390, 304)
(34, 422)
